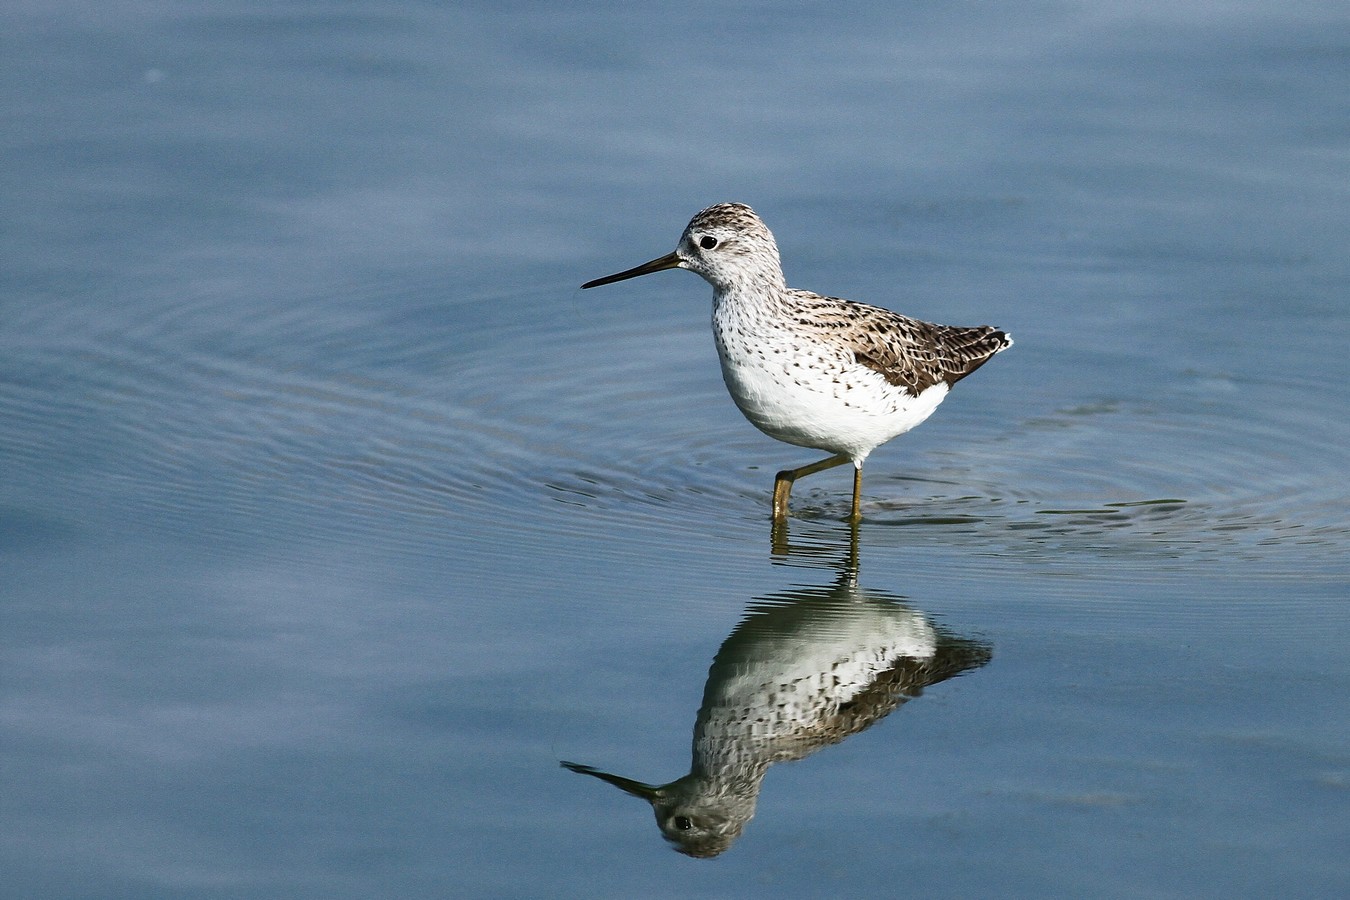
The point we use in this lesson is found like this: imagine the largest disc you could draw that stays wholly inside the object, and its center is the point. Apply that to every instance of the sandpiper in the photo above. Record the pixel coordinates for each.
(805, 669)
(815, 371)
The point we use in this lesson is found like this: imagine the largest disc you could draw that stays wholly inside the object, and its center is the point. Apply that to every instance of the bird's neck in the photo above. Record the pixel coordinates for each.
(753, 297)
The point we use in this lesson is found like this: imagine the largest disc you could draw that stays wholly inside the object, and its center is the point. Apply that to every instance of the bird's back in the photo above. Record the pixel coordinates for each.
(909, 353)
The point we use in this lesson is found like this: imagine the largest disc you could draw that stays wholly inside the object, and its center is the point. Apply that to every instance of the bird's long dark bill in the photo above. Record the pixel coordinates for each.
(669, 261)
(648, 792)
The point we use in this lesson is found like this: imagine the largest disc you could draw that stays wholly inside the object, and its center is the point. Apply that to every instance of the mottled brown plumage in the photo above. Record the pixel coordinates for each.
(908, 353)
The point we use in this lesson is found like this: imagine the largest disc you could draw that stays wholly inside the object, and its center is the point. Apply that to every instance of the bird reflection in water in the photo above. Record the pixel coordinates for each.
(806, 668)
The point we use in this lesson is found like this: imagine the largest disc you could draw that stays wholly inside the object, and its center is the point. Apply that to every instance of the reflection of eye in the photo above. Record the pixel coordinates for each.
(682, 822)
(707, 242)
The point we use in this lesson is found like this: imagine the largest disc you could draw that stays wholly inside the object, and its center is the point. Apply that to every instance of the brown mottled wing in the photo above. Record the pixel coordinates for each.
(905, 680)
(907, 352)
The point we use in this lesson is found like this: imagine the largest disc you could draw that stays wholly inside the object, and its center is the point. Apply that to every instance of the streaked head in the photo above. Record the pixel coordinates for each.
(727, 244)
(693, 815)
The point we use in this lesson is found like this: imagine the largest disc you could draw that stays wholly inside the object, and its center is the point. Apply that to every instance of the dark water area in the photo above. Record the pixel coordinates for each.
(334, 516)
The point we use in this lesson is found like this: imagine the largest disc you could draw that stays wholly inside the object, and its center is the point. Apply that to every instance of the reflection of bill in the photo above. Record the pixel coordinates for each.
(803, 670)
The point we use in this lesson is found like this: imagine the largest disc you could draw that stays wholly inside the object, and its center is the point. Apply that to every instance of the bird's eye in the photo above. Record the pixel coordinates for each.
(682, 822)
(707, 242)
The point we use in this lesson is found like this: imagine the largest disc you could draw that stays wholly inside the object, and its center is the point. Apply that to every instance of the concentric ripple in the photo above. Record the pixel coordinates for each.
(534, 414)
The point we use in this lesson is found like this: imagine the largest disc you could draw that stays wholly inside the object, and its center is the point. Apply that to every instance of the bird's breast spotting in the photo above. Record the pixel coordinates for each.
(813, 393)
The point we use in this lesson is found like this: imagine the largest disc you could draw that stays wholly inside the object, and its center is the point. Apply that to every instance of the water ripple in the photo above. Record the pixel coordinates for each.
(627, 428)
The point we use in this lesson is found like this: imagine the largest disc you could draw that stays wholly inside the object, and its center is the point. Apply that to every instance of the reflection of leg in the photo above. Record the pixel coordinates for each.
(857, 493)
(780, 543)
(782, 483)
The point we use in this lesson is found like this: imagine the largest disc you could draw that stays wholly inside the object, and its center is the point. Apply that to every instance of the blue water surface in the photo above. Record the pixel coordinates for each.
(334, 515)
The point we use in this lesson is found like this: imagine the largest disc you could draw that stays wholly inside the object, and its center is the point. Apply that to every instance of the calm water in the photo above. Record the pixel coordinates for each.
(334, 516)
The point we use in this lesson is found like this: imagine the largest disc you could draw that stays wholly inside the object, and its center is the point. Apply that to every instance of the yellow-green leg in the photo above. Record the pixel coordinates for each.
(856, 515)
(782, 484)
